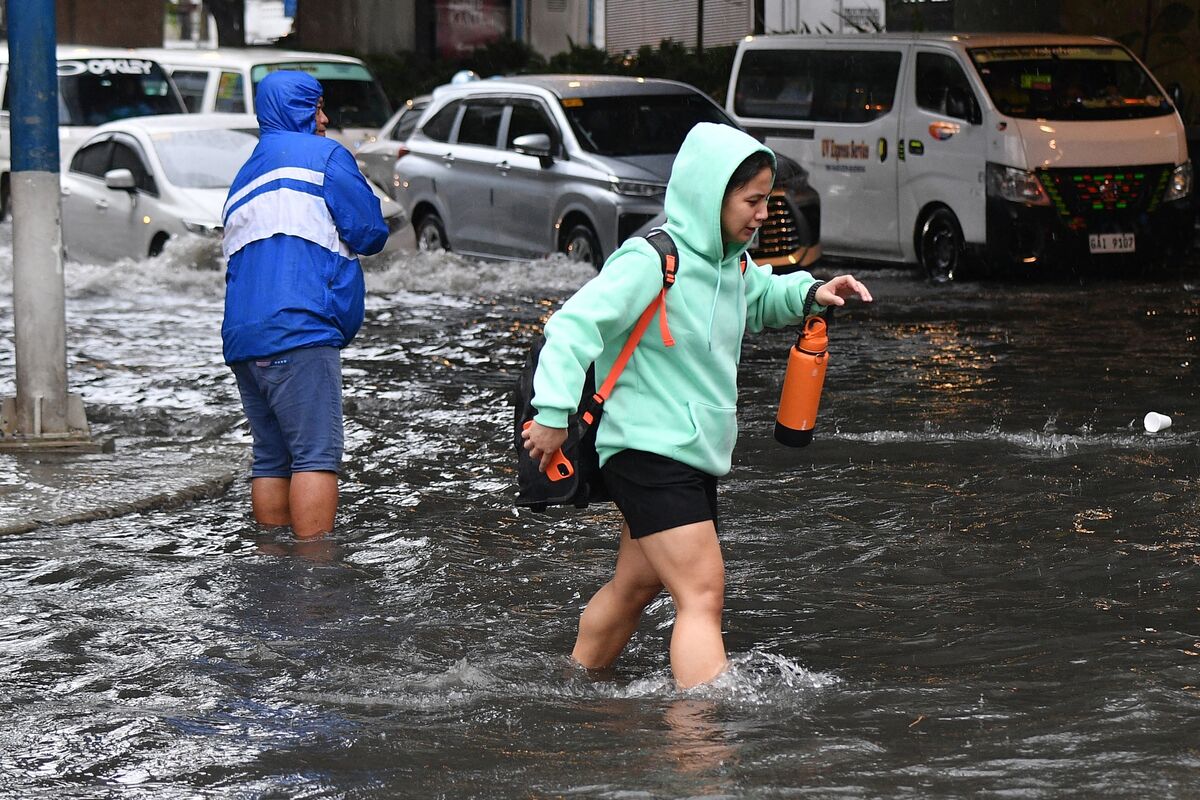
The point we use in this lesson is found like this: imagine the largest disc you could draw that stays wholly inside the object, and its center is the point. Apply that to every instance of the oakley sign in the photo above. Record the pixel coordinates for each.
(104, 66)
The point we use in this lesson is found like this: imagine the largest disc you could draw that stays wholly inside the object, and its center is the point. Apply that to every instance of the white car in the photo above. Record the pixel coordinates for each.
(377, 156)
(137, 183)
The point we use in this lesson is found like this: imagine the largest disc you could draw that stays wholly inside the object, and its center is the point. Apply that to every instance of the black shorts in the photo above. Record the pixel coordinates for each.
(656, 493)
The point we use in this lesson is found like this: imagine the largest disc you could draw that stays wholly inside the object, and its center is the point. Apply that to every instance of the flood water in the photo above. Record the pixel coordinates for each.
(981, 579)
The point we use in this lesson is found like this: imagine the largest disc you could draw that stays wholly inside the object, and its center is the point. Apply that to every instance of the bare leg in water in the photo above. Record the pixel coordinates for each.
(307, 502)
(687, 561)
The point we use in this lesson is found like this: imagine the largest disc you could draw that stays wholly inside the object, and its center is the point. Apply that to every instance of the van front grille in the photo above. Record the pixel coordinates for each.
(1088, 192)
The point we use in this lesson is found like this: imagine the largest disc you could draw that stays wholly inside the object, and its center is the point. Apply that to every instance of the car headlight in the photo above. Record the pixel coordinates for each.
(1180, 185)
(203, 228)
(636, 188)
(1016, 185)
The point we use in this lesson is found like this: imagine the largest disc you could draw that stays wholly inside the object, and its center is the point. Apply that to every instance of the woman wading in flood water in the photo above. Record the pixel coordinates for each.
(668, 429)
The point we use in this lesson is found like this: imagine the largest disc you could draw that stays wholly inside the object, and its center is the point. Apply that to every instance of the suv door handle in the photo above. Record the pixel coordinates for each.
(448, 159)
(504, 167)
(102, 204)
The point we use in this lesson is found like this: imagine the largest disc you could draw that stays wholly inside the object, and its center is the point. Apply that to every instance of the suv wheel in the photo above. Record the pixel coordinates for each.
(581, 244)
(431, 233)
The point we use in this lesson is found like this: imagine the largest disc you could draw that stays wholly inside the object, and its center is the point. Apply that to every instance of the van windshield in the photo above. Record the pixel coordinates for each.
(638, 125)
(202, 159)
(98, 90)
(353, 99)
(1068, 82)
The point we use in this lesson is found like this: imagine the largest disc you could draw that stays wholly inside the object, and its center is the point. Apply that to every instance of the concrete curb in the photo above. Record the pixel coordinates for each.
(206, 489)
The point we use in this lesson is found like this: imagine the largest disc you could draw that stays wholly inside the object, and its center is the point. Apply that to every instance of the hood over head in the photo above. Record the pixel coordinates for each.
(696, 190)
(287, 101)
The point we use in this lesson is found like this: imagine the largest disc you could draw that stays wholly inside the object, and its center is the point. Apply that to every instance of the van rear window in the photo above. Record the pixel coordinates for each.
(353, 99)
(816, 85)
(98, 90)
(95, 91)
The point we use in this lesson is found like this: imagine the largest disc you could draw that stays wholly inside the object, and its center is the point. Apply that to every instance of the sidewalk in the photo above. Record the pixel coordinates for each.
(47, 488)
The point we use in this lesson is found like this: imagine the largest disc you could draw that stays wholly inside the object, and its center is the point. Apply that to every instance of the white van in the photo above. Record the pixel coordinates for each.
(224, 79)
(1031, 148)
(95, 85)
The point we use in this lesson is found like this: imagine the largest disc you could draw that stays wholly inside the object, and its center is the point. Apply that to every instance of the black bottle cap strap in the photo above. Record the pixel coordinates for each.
(811, 298)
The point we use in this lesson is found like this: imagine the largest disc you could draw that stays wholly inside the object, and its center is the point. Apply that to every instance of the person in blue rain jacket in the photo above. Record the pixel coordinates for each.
(298, 215)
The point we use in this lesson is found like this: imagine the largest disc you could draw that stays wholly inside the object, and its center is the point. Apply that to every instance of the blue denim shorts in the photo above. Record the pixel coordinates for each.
(294, 403)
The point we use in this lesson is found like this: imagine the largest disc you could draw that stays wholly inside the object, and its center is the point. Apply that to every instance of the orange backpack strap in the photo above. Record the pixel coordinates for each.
(668, 255)
(744, 262)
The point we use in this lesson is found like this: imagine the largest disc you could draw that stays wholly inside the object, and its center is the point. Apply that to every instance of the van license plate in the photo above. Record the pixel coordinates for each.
(1111, 242)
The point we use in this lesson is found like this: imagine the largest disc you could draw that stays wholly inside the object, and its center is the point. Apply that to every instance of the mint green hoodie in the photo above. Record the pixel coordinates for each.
(680, 401)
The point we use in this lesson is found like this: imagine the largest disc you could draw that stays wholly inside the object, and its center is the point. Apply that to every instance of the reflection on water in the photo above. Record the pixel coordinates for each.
(980, 578)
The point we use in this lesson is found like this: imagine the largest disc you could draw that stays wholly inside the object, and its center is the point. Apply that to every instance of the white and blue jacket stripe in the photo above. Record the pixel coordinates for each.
(298, 214)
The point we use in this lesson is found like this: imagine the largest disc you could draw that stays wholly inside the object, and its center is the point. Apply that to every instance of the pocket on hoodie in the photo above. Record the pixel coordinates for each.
(714, 434)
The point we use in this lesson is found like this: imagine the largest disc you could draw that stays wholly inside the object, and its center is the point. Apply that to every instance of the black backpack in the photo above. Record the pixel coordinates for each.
(535, 489)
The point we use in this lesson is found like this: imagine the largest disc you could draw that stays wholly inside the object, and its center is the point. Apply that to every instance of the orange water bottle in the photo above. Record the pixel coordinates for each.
(802, 385)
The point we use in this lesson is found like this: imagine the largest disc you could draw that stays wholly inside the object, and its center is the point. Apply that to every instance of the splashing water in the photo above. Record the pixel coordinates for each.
(979, 578)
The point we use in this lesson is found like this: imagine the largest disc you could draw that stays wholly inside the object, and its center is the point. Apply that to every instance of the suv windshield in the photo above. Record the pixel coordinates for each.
(638, 125)
(98, 90)
(1072, 82)
(352, 97)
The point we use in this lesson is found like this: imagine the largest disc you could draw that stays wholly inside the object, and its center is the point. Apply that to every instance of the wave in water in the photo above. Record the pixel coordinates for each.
(1056, 444)
(449, 273)
(192, 265)
(756, 678)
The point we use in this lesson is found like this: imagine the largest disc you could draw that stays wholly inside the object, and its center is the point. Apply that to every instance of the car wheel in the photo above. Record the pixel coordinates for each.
(940, 246)
(4, 184)
(431, 233)
(581, 245)
(157, 244)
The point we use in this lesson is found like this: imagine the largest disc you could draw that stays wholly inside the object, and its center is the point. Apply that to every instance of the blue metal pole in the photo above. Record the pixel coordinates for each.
(42, 407)
(33, 85)
(519, 20)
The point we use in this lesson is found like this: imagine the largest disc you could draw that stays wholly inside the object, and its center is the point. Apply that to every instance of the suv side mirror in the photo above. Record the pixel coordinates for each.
(119, 179)
(533, 144)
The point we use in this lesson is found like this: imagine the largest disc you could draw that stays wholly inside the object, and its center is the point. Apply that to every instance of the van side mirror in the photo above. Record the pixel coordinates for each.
(533, 144)
(961, 104)
(1175, 92)
(120, 179)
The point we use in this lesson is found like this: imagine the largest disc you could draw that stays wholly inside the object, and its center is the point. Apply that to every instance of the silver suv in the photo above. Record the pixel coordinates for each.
(527, 166)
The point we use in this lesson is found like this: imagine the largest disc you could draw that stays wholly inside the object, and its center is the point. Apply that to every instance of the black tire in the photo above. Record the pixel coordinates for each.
(581, 244)
(4, 189)
(431, 233)
(157, 244)
(940, 246)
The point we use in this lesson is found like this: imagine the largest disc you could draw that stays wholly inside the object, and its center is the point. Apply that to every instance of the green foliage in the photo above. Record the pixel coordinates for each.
(406, 74)
(588, 60)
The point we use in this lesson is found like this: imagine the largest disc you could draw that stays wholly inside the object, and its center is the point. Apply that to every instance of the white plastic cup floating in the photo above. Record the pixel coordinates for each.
(1156, 422)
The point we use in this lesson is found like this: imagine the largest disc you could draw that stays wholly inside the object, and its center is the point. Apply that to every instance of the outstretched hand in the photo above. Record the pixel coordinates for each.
(836, 291)
(542, 443)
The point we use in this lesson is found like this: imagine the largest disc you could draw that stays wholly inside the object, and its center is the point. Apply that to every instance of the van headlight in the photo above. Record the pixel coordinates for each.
(1180, 185)
(636, 188)
(203, 228)
(1016, 185)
